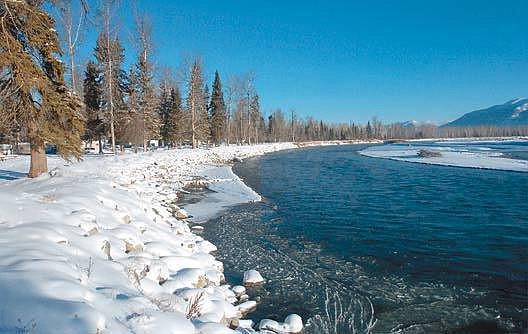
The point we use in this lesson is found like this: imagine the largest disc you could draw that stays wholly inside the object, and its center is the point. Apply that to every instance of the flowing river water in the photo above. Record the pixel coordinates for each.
(356, 244)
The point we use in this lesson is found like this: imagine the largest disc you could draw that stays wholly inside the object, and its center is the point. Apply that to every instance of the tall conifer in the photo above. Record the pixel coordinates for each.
(217, 109)
(29, 64)
(93, 95)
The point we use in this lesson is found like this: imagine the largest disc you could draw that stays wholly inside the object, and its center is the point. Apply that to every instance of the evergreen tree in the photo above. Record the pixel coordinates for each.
(177, 133)
(29, 64)
(217, 110)
(206, 98)
(270, 127)
(132, 123)
(165, 113)
(255, 115)
(369, 130)
(93, 95)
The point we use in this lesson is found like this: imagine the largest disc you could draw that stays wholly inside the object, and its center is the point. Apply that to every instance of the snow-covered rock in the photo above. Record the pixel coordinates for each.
(269, 324)
(292, 324)
(239, 290)
(252, 277)
(247, 306)
(182, 214)
(90, 227)
(246, 323)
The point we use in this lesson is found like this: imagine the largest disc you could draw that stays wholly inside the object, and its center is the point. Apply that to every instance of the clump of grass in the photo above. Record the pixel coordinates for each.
(194, 305)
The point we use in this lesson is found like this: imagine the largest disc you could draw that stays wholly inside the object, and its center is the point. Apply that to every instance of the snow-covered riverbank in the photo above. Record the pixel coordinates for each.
(95, 247)
(471, 153)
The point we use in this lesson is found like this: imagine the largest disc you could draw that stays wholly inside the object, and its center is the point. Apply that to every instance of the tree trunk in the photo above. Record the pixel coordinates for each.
(39, 163)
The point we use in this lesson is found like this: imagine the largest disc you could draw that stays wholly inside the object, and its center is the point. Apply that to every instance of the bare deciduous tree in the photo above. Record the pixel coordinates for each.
(72, 16)
(199, 123)
(147, 99)
(106, 11)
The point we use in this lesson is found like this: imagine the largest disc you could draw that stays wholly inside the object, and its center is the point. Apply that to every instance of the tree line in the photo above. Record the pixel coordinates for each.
(104, 102)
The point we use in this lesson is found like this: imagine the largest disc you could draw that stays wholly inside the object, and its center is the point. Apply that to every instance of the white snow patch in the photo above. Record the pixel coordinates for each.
(450, 156)
(94, 246)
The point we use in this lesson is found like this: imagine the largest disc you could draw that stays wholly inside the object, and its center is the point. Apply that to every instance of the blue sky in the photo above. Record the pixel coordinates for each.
(345, 61)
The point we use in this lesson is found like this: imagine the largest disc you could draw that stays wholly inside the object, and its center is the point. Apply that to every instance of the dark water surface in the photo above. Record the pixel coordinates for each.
(416, 248)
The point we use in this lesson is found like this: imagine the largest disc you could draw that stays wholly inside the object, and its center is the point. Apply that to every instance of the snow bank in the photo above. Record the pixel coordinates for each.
(98, 247)
(456, 155)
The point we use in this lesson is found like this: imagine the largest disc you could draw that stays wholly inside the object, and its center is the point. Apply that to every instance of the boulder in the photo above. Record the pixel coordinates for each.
(246, 307)
(291, 325)
(294, 323)
(252, 277)
(126, 219)
(133, 246)
(239, 290)
(245, 323)
(182, 214)
(172, 197)
(268, 324)
(89, 227)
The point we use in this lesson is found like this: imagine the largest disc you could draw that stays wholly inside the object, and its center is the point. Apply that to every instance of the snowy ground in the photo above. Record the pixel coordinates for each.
(95, 247)
(462, 153)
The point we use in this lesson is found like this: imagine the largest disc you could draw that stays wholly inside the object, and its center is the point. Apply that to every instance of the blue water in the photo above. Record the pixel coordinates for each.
(431, 249)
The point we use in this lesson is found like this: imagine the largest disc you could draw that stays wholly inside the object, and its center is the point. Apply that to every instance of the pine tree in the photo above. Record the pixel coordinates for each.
(93, 95)
(254, 108)
(369, 130)
(29, 64)
(206, 98)
(132, 122)
(205, 119)
(165, 113)
(178, 121)
(217, 110)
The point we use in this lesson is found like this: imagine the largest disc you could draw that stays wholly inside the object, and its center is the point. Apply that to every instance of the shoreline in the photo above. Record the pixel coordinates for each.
(97, 245)
(131, 266)
(448, 156)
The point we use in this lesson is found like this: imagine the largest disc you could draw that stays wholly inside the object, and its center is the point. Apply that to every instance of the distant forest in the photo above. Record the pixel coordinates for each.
(47, 97)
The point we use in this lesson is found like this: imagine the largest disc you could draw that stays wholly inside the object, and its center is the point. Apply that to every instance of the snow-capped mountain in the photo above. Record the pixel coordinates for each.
(511, 113)
(409, 124)
(413, 124)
